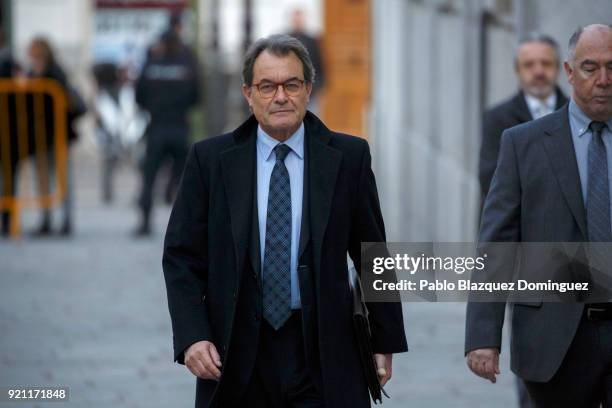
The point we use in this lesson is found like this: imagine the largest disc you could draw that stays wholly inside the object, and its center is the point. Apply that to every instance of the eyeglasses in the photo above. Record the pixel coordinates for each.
(268, 89)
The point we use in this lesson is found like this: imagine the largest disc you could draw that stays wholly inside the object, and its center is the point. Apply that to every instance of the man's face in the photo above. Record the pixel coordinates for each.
(280, 115)
(537, 69)
(590, 73)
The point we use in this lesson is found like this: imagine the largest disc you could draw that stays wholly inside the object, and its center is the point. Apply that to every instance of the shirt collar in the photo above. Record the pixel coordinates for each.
(534, 103)
(266, 143)
(581, 120)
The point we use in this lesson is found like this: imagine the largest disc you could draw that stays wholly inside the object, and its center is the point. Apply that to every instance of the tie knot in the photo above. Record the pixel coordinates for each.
(281, 151)
(597, 127)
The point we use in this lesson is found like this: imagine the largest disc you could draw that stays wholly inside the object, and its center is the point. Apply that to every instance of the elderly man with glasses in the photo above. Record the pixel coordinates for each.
(255, 251)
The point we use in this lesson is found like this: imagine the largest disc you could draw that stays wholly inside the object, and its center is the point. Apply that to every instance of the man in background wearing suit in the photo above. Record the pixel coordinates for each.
(255, 251)
(552, 184)
(536, 64)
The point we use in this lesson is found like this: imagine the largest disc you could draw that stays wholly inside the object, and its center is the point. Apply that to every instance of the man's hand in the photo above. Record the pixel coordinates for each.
(203, 361)
(484, 363)
(383, 367)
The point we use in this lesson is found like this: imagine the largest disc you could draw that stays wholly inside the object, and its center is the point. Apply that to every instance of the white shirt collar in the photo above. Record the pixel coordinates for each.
(536, 105)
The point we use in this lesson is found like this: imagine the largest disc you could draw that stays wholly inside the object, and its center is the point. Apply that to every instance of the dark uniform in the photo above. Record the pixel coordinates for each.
(167, 88)
(7, 170)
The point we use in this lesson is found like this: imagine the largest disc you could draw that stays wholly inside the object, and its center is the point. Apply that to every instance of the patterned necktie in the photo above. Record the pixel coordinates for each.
(598, 214)
(277, 255)
(598, 189)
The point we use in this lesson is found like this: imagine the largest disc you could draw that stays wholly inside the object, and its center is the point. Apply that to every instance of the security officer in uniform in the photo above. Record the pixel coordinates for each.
(167, 88)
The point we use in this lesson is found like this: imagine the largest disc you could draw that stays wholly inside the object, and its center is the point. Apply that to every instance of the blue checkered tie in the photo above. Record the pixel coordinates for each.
(277, 255)
(598, 189)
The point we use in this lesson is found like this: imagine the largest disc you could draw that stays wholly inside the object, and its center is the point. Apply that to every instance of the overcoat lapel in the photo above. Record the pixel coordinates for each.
(323, 166)
(239, 171)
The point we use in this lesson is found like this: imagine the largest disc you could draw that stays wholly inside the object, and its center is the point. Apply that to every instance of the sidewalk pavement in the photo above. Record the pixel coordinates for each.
(90, 313)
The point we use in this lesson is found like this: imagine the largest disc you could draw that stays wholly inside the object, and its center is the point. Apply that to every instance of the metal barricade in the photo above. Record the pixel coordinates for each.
(25, 105)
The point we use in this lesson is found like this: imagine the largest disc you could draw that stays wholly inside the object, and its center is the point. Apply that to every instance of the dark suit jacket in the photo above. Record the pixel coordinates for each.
(511, 112)
(535, 196)
(211, 261)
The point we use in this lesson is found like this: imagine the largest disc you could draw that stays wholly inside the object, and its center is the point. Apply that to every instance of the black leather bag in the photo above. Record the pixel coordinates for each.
(361, 326)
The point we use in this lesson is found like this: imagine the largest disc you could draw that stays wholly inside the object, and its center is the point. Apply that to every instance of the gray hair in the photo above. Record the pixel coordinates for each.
(279, 45)
(540, 38)
(571, 46)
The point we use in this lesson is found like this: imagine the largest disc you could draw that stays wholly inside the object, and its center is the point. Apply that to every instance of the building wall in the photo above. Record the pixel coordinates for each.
(423, 126)
(346, 50)
(67, 23)
(426, 104)
(268, 16)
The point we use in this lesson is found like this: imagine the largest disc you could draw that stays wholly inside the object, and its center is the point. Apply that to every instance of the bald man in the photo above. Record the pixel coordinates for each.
(552, 184)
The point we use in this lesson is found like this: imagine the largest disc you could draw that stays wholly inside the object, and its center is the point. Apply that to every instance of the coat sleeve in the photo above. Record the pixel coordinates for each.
(185, 259)
(500, 223)
(386, 319)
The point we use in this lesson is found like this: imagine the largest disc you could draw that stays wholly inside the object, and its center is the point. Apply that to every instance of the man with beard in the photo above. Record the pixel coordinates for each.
(536, 65)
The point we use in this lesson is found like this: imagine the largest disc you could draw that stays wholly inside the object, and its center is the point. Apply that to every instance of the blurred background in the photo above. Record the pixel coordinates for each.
(82, 299)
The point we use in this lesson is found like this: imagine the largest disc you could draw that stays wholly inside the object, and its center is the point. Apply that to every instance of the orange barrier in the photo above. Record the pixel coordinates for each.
(23, 137)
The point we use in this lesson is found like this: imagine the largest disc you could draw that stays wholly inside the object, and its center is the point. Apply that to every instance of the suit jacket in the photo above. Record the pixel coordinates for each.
(535, 196)
(511, 112)
(211, 261)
